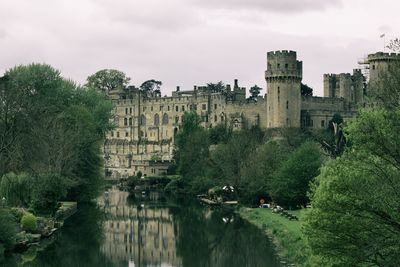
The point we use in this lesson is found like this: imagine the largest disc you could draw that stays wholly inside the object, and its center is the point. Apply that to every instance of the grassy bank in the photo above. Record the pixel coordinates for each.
(286, 234)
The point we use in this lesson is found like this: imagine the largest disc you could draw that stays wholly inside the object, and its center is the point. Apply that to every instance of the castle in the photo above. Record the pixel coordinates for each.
(146, 125)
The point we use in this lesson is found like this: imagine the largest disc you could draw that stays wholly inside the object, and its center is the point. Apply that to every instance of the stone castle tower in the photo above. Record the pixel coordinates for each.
(345, 85)
(380, 63)
(283, 77)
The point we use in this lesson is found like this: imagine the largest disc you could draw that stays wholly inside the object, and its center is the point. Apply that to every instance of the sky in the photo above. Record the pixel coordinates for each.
(193, 42)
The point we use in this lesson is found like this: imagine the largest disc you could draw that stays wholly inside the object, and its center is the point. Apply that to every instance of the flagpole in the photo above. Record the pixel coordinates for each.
(384, 41)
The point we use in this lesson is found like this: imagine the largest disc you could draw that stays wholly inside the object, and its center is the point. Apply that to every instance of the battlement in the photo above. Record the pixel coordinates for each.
(282, 53)
(382, 56)
(283, 64)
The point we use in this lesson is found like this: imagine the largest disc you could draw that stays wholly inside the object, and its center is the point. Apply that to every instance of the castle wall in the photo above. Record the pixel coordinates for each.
(316, 112)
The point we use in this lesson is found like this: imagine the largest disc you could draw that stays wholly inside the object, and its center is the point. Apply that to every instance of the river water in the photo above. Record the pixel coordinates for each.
(152, 230)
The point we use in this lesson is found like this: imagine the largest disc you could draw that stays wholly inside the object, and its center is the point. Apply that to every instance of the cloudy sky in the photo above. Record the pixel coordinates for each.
(193, 42)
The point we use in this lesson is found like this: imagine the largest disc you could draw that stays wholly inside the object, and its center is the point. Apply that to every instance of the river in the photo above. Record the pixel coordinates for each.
(153, 230)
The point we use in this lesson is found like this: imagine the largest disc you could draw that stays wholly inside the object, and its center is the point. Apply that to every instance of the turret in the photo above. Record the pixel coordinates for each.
(283, 77)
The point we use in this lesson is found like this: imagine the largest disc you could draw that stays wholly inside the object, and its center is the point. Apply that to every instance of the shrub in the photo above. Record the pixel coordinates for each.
(29, 222)
(201, 185)
(47, 193)
(8, 229)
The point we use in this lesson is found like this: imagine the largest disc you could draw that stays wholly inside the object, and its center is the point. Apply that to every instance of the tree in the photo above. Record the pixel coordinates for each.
(258, 170)
(192, 147)
(151, 86)
(107, 80)
(306, 90)
(228, 159)
(394, 45)
(254, 92)
(354, 220)
(290, 183)
(219, 134)
(218, 87)
(51, 127)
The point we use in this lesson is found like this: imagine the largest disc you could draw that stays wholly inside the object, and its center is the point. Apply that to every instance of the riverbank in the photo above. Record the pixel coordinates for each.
(285, 233)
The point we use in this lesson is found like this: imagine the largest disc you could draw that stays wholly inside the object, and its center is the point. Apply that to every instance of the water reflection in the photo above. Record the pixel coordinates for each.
(152, 230)
(139, 230)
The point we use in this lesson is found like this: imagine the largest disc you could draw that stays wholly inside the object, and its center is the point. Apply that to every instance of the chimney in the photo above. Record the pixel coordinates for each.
(236, 84)
(195, 88)
(178, 88)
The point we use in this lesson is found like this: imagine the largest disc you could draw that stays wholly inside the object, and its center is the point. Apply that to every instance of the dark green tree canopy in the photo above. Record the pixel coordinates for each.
(306, 90)
(151, 86)
(254, 92)
(218, 87)
(107, 80)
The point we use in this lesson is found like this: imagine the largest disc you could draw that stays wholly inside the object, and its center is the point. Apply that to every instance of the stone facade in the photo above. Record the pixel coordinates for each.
(146, 125)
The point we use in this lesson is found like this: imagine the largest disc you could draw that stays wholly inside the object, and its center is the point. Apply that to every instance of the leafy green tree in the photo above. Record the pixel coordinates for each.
(291, 182)
(218, 87)
(228, 159)
(17, 189)
(151, 86)
(259, 168)
(306, 90)
(192, 147)
(219, 134)
(354, 220)
(254, 92)
(48, 191)
(107, 80)
(52, 127)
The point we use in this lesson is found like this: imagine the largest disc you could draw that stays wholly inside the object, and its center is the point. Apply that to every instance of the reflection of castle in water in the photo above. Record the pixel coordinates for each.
(141, 236)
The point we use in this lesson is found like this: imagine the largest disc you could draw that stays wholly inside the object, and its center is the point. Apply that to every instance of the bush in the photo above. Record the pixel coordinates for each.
(47, 193)
(201, 185)
(8, 229)
(29, 222)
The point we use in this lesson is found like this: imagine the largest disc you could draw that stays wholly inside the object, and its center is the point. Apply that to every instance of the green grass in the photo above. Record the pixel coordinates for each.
(286, 234)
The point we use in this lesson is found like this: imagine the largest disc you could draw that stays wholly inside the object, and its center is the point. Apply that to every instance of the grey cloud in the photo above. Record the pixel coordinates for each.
(176, 15)
(282, 6)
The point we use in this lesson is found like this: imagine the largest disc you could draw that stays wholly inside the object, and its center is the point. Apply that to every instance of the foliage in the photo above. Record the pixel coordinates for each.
(48, 190)
(291, 181)
(219, 134)
(29, 222)
(354, 220)
(218, 87)
(151, 86)
(254, 92)
(332, 139)
(227, 159)
(258, 174)
(107, 80)
(306, 90)
(201, 185)
(192, 147)
(16, 189)
(8, 228)
(49, 126)
(394, 45)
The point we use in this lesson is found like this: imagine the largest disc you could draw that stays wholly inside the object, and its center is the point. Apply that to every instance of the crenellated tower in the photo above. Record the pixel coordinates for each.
(283, 77)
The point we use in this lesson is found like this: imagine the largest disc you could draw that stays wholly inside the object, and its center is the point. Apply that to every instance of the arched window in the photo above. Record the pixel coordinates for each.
(142, 120)
(125, 121)
(177, 119)
(287, 104)
(165, 119)
(130, 121)
(156, 120)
